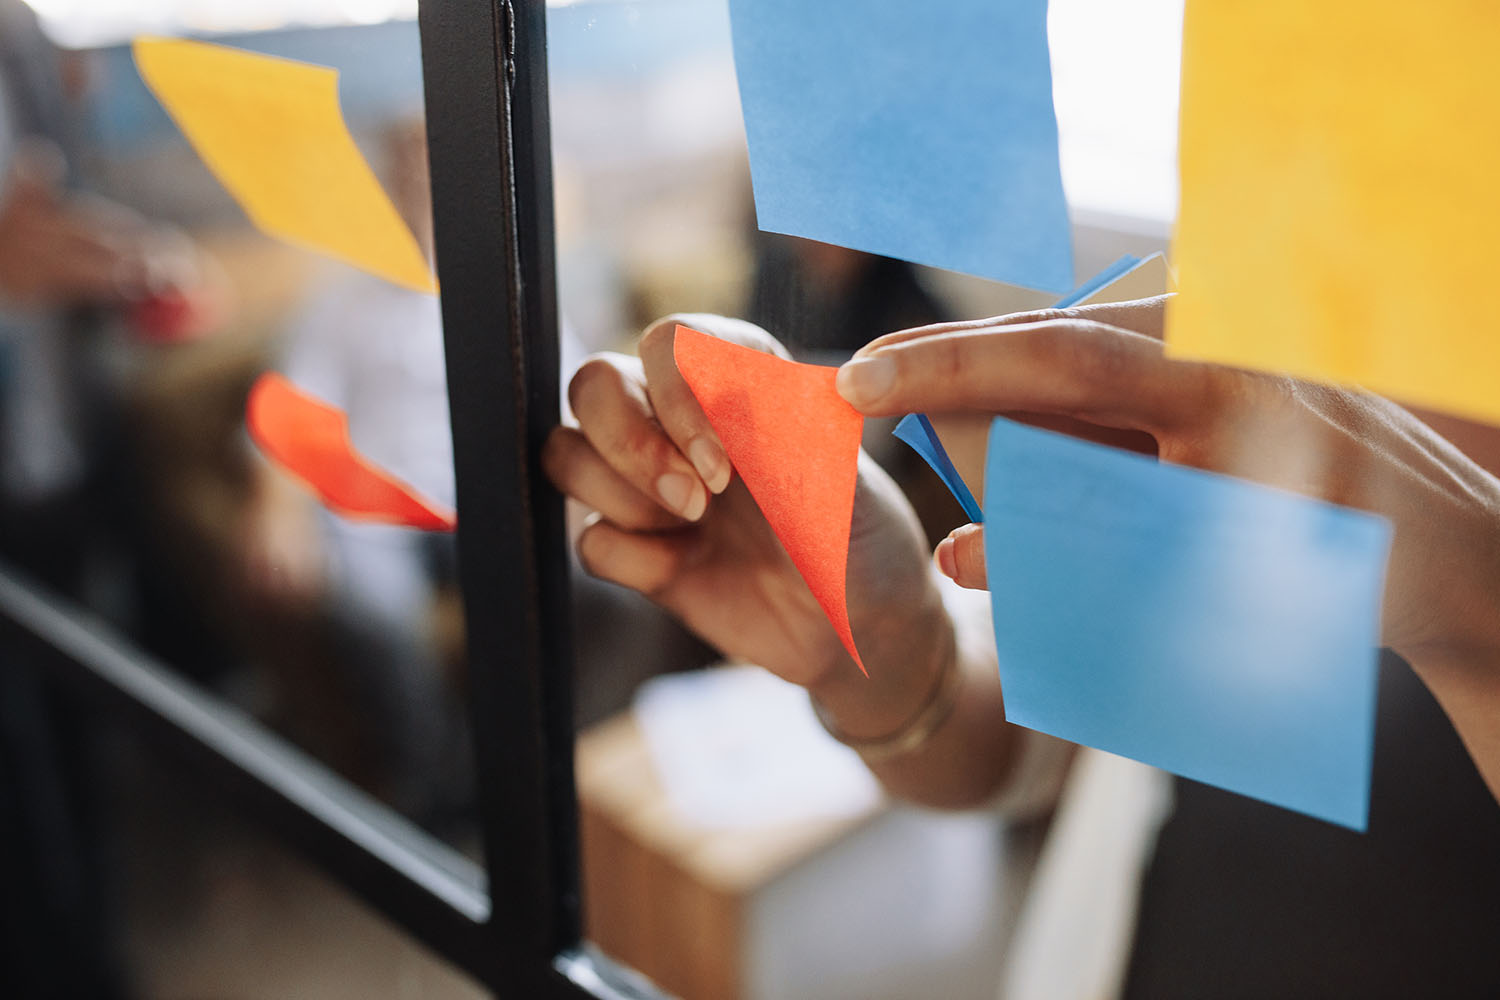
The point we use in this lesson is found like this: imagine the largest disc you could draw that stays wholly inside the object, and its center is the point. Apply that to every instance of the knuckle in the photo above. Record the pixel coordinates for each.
(1101, 357)
(949, 361)
(598, 372)
(1228, 395)
(642, 442)
(1077, 349)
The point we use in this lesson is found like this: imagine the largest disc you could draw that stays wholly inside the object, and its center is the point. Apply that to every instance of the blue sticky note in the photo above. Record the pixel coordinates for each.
(1098, 281)
(924, 132)
(1215, 628)
(916, 430)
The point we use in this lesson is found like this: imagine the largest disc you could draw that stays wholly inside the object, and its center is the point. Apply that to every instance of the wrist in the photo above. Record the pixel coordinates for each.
(915, 654)
(1464, 633)
(916, 730)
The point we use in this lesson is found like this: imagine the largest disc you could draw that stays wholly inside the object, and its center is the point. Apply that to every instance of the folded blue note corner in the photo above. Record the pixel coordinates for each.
(917, 431)
(1218, 629)
(896, 130)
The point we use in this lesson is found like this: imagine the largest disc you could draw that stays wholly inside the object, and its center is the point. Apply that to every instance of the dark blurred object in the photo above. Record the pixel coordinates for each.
(1246, 900)
(56, 931)
(55, 938)
(845, 298)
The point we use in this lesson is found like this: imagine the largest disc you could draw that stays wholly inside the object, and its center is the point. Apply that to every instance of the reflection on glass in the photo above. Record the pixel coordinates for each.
(138, 305)
(729, 848)
(212, 907)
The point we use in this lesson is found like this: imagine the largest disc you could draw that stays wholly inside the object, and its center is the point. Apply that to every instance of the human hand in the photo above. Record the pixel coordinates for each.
(1101, 372)
(673, 523)
(59, 251)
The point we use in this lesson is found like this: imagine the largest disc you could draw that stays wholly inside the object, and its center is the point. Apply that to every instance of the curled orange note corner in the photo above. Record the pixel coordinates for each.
(795, 443)
(272, 132)
(309, 439)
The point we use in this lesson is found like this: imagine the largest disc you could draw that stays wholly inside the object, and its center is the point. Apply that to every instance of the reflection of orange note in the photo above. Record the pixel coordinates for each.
(310, 439)
(271, 131)
(795, 443)
(1339, 195)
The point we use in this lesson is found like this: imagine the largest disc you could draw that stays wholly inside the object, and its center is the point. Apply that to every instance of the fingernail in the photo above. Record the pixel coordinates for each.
(947, 565)
(682, 494)
(865, 380)
(710, 463)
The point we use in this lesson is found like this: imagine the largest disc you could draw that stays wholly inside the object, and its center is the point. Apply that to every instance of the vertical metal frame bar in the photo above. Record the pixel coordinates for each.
(492, 207)
(489, 131)
(485, 76)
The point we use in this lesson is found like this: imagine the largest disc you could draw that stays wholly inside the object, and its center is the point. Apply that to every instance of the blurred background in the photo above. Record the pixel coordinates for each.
(130, 486)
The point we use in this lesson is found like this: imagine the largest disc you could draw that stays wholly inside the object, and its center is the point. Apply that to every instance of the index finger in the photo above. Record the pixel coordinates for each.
(673, 402)
(1143, 316)
(1072, 368)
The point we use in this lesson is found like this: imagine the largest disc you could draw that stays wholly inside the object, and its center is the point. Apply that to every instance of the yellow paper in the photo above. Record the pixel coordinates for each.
(271, 131)
(1341, 193)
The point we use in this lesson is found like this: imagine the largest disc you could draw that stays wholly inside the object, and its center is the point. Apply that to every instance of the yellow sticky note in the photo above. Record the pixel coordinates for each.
(1340, 200)
(272, 132)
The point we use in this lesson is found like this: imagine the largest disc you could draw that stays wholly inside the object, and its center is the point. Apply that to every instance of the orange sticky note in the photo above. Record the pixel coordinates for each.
(310, 440)
(272, 132)
(795, 443)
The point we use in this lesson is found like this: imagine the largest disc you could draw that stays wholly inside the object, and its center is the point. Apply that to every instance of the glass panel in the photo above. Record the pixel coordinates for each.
(134, 328)
(729, 847)
(716, 811)
(210, 906)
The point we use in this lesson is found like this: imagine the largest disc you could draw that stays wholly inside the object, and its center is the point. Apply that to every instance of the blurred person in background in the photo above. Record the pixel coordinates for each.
(1239, 898)
(64, 258)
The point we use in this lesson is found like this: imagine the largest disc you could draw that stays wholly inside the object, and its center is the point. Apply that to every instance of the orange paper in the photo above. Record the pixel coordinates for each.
(271, 130)
(795, 443)
(310, 439)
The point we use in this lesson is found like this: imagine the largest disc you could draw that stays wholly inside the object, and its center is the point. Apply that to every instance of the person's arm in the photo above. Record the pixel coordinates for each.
(672, 522)
(281, 552)
(55, 254)
(1087, 369)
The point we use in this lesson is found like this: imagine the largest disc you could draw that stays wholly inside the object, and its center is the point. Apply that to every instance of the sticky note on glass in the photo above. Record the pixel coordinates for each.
(309, 439)
(1215, 628)
(271, 131)
(794, 442)
(921, 133)
(1339, 195)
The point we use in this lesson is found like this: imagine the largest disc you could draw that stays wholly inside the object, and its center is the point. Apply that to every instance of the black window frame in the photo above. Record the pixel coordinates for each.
(513, 925)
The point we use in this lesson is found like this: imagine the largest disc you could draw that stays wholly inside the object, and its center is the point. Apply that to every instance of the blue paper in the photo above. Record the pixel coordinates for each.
(916, 430)
(1098, 281)
(919, 131)
(1218, 629)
